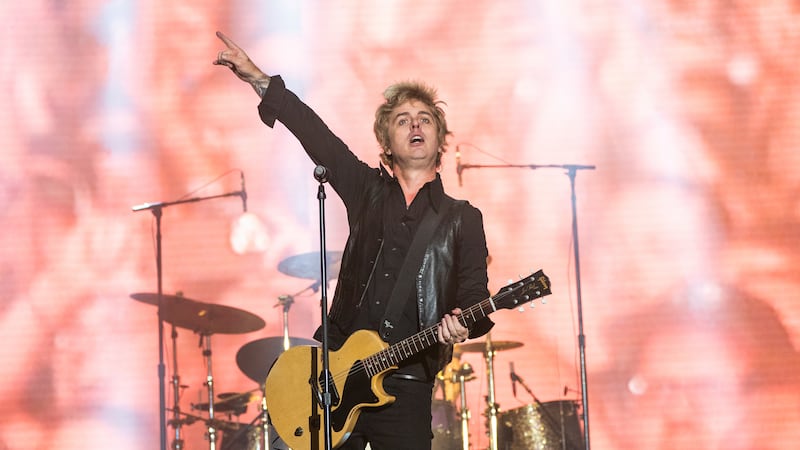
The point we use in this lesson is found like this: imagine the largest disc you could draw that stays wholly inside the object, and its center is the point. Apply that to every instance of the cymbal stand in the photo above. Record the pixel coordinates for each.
(492, 406)
(263, 435)
(463, 372)
(286, 301)
(176, 422)
(205, 340)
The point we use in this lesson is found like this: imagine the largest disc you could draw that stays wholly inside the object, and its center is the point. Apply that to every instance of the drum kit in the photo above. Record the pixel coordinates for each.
(550, 425)
(540, 426)
(254, 359)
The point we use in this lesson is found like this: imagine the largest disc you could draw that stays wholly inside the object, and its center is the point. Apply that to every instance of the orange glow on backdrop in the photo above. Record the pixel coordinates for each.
(689, 227)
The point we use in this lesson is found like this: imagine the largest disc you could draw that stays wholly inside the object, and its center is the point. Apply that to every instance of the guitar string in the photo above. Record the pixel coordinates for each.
(383, 359)
(388, 353)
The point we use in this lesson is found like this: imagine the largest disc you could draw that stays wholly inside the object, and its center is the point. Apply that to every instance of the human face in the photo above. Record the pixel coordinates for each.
(413, 136)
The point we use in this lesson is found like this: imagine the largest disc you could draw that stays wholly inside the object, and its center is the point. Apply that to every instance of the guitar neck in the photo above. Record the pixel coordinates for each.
(412, 345)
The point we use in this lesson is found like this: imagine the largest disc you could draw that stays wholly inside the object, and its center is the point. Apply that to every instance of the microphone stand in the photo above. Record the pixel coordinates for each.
(157, 209)
(572, 170)
(321, 175)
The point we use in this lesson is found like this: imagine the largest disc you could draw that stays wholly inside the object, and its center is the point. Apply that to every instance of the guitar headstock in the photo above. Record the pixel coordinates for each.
(527, 289)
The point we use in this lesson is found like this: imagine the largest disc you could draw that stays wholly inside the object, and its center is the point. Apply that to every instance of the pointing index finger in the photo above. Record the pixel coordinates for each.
(228, 42)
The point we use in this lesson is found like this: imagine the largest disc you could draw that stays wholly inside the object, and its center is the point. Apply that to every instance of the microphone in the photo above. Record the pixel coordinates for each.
(321, 173)
(248, 233)
(567, 389)
(459, 168)
(243, 194)
(513, 378)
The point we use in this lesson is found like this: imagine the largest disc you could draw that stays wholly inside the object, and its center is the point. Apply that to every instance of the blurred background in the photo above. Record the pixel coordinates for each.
(689, 226)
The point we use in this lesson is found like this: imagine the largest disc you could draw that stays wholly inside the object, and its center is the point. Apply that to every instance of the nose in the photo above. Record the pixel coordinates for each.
(414, 123)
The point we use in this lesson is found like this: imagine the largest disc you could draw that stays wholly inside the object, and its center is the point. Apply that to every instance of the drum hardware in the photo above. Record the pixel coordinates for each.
(306, 265)
(489, 348)
(204, 319)
(541, 426)
(181, 418)
(464, 374)
(230, 402)
(257, 434)
(449, 423)
(497, 346)
(211, 430)
(238, 436)
(189, 419)
(255, 359)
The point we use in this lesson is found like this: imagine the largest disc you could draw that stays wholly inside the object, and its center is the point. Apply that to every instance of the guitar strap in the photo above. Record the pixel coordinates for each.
(411, 265)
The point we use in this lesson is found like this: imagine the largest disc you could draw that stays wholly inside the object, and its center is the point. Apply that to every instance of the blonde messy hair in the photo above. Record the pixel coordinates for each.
(398, 94)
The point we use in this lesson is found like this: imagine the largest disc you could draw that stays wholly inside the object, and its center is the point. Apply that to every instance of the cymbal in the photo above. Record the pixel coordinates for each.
(480, 347)
(203, 318)
(229, 402)
(257, 357)
(306, 265)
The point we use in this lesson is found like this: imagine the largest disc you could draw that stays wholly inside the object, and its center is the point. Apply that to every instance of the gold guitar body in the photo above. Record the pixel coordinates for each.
(294, 382)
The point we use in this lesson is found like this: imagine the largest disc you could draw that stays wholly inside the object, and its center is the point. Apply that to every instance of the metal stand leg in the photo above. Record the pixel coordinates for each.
(492, 406)
(177, 420)
(463, 373)
(212, 431)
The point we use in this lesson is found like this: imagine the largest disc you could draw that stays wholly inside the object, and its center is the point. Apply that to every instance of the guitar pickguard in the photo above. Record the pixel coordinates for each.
(356, 392)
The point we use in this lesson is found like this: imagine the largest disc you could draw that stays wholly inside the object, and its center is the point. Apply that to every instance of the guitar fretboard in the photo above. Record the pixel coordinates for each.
(534, 286)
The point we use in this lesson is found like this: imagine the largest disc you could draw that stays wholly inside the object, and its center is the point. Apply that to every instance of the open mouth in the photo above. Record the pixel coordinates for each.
(417, 139)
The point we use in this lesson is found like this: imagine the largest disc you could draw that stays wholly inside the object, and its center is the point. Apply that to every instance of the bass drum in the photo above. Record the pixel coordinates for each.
(240, 436)
(545, 426)
(445, 425)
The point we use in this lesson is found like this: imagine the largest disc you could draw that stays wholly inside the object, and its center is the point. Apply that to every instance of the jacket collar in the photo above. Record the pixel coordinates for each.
(435, 190)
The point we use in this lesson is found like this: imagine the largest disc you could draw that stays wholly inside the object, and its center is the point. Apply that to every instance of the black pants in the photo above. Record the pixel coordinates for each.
(402, 425)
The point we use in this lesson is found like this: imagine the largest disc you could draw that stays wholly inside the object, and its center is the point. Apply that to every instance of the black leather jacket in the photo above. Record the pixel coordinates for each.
(435, 283)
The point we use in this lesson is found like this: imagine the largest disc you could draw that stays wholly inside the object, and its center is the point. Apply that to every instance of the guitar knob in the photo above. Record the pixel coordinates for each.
(298, 431)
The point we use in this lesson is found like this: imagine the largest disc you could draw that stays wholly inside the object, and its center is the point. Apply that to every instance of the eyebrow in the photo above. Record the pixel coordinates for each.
(406, 113)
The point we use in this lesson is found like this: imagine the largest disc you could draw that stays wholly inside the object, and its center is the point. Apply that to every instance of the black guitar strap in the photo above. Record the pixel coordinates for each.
(411, 265)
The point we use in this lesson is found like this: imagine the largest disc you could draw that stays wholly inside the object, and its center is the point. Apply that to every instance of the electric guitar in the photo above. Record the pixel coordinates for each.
(293, 389)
